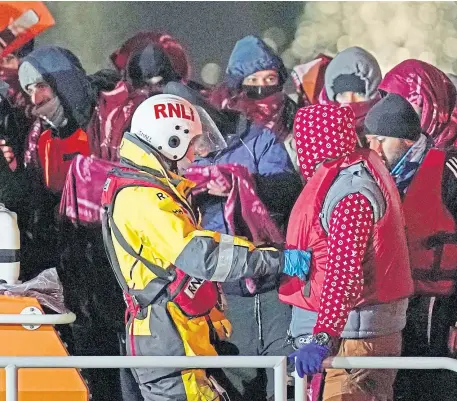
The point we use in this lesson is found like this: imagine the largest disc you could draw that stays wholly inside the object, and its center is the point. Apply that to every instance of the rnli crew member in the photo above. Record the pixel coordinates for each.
(166, 264)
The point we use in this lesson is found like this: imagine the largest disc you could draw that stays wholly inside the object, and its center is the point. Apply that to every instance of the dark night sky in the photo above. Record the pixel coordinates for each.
(209, 30)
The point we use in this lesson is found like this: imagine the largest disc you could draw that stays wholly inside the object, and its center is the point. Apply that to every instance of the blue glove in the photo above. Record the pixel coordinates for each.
(308, 359)
(296, 263)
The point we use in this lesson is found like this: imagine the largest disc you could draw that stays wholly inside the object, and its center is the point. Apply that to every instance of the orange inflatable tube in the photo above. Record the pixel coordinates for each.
(37, 384)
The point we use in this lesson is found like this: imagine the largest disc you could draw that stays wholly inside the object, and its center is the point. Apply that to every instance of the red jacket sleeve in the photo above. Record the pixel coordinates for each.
(350, 227)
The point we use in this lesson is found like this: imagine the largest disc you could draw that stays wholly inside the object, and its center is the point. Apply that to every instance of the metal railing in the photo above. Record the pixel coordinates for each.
(12, 364)
(278, 363)
(368, 362)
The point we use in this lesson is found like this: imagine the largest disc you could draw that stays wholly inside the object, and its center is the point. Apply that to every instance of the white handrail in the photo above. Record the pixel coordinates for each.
(365, 362)
(106, 362)
(278, 363)
(390, 362)
(64, 318)
(11, 364)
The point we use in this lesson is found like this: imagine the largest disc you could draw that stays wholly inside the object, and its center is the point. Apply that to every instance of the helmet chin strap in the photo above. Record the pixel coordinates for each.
(174, 167)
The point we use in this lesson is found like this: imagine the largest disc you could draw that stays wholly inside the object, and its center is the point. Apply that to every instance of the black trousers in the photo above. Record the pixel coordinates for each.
(130, 389)
(427, 385)
(260, 326)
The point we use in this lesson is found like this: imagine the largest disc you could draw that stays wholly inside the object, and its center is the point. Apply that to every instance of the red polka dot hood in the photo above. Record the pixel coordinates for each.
(323, 132)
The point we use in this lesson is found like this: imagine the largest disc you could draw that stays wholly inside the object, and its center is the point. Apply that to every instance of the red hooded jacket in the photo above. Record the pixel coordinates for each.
(429, 89)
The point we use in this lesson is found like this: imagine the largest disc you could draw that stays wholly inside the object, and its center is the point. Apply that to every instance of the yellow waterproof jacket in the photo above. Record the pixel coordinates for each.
(161, 226)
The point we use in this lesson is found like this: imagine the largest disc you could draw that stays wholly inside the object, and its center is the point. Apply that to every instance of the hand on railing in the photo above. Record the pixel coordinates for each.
(308, 359)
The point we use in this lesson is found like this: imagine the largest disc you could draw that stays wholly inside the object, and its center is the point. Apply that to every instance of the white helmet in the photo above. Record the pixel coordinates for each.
(169, 124)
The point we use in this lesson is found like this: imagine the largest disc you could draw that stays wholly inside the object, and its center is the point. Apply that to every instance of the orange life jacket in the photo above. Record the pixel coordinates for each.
(56, 155)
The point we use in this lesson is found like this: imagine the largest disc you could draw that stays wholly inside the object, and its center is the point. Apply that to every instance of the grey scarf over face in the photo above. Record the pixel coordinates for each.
(51, 112)
(357, 61)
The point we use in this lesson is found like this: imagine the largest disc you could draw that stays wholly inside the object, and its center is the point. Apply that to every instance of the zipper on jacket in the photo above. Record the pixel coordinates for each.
(258, 317)
(249, 150)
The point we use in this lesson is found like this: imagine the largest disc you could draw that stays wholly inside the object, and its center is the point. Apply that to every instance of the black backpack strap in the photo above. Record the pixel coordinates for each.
(154, 288)
(111, 253)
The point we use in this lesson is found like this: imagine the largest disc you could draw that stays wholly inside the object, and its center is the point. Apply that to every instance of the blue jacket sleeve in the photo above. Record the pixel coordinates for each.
(278, 184)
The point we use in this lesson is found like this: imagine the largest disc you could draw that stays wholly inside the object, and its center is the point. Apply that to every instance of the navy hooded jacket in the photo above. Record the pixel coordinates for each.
(252, 54)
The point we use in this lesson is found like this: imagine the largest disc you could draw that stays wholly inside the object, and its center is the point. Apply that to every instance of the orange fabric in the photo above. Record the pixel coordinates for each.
(14, 9)
(363, 384)
(56, 155)
(312, 80)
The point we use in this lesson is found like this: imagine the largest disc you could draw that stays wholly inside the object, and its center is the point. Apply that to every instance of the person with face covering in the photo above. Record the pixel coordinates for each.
(253, 85)
(354, 300)
(426, 178)
(63, 103)
(432, 95)
(352, 79)
(76, 113)
(38, 69)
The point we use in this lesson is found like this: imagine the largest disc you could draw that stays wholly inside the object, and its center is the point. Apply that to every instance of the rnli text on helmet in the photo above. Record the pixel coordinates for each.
(173, 110)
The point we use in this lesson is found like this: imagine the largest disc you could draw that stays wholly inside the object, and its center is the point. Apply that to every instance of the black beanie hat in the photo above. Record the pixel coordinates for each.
(393, 116)
(348, 83)
(150, 62)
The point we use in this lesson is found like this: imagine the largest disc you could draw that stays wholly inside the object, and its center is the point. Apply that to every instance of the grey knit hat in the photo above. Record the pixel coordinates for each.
(29, 75)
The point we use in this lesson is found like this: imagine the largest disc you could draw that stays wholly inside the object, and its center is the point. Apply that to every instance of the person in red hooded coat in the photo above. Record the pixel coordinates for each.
(431, 93)
(151, 59)
(354, 300)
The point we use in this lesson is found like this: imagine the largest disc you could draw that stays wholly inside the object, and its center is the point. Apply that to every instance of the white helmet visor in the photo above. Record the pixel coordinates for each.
(211, 139)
